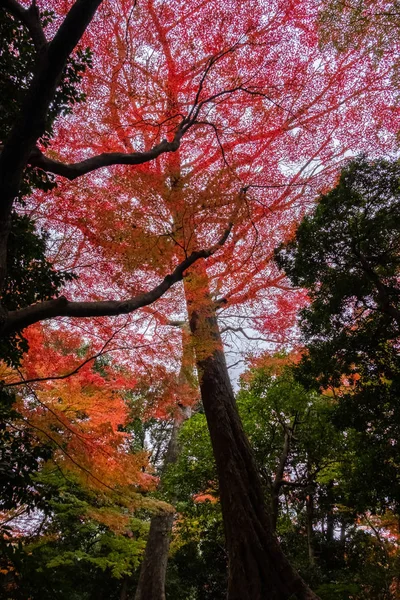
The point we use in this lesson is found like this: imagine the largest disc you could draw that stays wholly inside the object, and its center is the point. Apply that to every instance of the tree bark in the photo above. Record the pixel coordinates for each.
(151, 584)
(258, 569)
(310, 530)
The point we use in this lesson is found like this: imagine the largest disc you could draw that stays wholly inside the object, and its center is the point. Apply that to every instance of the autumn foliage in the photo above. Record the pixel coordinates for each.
(206, 134)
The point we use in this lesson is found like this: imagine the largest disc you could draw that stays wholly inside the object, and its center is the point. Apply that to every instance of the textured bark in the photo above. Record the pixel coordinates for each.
(152, 573)
(330, 526)
(258, 568)
(151, 584)
(343, 534)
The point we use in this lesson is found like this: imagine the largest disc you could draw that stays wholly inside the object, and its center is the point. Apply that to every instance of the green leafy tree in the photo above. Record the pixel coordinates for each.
(84, 545)
(308, 463)
(346, 254)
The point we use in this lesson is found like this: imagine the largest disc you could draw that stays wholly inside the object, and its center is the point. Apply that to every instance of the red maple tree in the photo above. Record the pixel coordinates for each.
(234, 118)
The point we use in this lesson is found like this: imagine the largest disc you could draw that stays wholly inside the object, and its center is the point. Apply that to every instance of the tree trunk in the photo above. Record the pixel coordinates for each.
(124, 589)
(310, 530)
(277, 484)
(330, 516)
(151, 584)
(258, 568)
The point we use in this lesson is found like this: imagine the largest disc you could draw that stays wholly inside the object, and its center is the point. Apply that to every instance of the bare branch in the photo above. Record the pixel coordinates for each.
(73, 170)
(228, 328)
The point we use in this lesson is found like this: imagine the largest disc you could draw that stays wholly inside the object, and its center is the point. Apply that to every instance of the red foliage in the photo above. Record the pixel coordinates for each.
(272, 118)
(276, 115)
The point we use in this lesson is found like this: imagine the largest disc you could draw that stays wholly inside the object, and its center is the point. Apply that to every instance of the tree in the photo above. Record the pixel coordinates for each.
(346, 254)
(323, 525)
(222, 95)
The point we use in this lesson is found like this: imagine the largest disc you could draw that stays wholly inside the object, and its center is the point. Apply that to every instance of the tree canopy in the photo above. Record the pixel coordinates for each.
(152, 157)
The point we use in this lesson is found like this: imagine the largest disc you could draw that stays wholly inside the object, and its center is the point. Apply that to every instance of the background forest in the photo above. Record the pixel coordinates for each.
(190, 196)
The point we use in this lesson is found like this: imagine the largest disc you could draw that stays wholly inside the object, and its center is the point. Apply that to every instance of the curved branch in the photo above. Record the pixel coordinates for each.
(61, 307)
(73, 170)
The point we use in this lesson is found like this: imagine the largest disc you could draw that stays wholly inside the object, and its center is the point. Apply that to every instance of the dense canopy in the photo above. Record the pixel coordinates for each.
(189, 194)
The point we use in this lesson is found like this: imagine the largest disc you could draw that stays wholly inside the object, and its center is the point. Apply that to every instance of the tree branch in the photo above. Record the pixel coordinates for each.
(73, 170)
(70, 373)
(31, 122)
(61, 307)
(30, 18)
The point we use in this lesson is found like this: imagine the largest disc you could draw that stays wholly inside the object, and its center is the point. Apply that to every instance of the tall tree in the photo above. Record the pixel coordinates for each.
(347, 254)
(185, 200)
(151, 585)
(243, 112)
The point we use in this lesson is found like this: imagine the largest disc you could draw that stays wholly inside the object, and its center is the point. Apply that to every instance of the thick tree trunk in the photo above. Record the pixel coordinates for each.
(258, 568)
